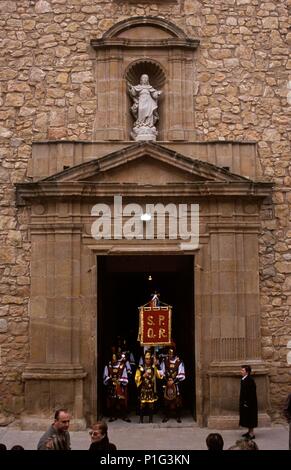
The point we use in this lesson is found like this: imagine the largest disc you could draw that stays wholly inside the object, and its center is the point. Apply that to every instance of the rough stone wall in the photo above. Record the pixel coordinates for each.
(47, 91)
(241, 88)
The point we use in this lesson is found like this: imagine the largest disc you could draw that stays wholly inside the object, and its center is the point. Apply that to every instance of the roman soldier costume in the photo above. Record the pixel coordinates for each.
(145, 379)
(172, 401)
(174, 372)
(116, 379)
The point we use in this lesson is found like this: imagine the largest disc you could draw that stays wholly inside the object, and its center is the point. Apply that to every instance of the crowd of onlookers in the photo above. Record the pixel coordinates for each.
(214, 441)
(57, 437)
(100, 441)
(16, 447)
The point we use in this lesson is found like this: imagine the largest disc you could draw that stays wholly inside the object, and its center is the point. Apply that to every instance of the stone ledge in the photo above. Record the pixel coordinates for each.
(231, 422)
(232, 368)
(35, 423)
(53, 372)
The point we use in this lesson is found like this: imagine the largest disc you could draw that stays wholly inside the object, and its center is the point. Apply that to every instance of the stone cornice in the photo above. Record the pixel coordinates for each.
(130, 142)
(199, 169)
(230, 227)
(37, 191)
(123, 43)
(56, 227)
(232, 368)
(136, 21)
(53, 372)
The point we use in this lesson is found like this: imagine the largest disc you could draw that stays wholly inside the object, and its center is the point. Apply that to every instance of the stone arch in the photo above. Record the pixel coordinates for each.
(145, 65)
(138, 21)
(166, 54)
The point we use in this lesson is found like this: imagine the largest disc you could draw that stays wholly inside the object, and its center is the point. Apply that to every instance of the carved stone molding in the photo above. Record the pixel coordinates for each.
(63, 301)
(207, 179)
(130, 23)
(146, 41)
(154, 69)
(53, 372)
(50, 157)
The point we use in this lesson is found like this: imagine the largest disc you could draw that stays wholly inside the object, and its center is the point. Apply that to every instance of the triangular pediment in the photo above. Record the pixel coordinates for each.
(145, 163)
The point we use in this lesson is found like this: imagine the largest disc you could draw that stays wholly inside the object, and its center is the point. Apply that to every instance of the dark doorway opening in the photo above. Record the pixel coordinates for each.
(127, 282)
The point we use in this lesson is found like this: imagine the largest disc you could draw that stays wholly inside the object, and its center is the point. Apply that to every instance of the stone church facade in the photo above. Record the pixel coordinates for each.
(223, 144)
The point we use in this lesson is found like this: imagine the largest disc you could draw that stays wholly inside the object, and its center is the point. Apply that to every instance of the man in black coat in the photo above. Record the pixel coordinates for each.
(248, 406)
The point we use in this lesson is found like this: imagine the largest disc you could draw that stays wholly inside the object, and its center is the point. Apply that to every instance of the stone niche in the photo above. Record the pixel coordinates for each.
(152, 46)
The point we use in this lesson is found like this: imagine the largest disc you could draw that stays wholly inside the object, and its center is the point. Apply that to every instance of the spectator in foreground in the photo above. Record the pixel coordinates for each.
(99, 438)
(57, 437)
(214, 441)
(17, 447)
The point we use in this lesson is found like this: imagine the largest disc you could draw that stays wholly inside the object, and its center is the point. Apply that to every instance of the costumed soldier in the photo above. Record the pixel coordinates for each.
(146, 380)
(154, 354)
(125, 354)
(116, 379)
(174, 372)
(172, 401)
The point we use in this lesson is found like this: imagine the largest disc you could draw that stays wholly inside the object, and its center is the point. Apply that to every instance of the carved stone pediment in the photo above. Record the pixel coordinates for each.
(143, 169)
(145, 163)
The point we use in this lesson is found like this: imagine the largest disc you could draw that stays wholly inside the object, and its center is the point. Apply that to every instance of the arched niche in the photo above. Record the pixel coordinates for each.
(157, 79)
(166, 54)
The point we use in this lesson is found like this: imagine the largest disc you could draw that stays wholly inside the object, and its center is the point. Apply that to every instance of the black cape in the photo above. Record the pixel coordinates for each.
(248, 406)
(102, 445)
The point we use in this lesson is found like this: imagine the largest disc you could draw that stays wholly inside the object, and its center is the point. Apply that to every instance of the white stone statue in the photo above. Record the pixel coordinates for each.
(144, 109)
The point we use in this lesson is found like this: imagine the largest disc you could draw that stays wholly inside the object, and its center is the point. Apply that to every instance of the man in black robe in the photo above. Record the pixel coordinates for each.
(248, 406)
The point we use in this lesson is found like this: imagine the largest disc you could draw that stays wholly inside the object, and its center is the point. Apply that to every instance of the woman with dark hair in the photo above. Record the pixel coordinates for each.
(248, 406)
(214, 441)
(99, 438)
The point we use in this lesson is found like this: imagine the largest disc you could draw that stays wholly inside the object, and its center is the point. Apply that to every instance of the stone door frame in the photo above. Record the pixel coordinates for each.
(63, 307)
(123, 250)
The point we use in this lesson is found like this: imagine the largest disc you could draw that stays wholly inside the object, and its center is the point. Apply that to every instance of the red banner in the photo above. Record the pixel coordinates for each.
(155, 325)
